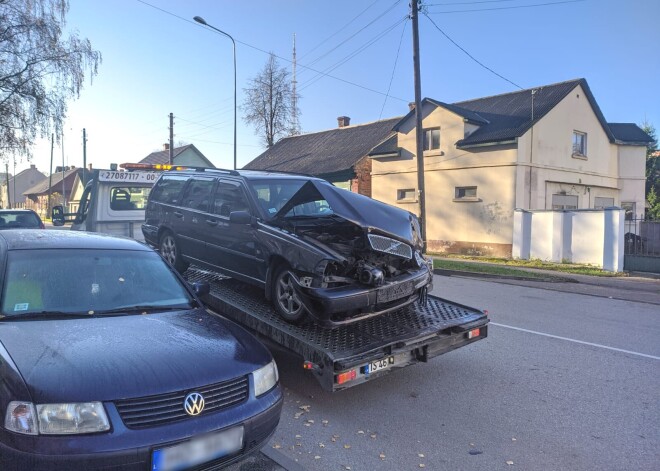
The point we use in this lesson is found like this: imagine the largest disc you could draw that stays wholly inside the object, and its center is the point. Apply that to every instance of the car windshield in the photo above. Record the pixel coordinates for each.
(19, 219)
(54, 282)
(272, 195)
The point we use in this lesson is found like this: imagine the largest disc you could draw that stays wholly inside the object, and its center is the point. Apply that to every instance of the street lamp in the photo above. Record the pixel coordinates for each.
(202, 21)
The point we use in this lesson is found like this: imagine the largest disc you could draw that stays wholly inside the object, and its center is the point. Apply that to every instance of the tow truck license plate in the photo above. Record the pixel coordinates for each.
(378, 365)
(198, 450)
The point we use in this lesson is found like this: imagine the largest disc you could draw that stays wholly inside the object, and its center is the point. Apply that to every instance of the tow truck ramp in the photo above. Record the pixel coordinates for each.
(351, 354)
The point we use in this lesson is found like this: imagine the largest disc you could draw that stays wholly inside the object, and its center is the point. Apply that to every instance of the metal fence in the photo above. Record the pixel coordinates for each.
(642, 237)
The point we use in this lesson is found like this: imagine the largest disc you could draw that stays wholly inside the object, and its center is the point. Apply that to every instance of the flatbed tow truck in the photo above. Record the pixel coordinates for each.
(351, 354)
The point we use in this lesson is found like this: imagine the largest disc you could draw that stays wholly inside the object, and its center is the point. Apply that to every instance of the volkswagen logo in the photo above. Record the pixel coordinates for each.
(193, 404)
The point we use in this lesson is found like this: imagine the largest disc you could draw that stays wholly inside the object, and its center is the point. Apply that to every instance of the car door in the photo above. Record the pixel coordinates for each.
(232, 247)
(190, 218)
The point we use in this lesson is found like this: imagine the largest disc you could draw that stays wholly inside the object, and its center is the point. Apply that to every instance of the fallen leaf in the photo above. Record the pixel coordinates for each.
(317, 457)
(361, 432)
(307, 424)
(276, 446)
(509, 462)
(310, 421)
(324, 422)
(422, 465)
(347, 446)
(321, 445)
(298, 436)
(333, 439)
(305, 408)
(347, 468)
(381, 456)
(373, 435)
(513, 439)
(421, 455)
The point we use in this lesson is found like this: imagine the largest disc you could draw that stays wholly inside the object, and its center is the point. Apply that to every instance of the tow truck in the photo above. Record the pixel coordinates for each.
(113, 201)
(352, 354)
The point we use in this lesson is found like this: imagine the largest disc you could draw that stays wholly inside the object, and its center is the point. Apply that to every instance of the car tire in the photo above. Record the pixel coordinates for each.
(169, 250)
(286, 301)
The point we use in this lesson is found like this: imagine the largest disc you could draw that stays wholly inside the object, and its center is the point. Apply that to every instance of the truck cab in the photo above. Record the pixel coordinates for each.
(113, 202)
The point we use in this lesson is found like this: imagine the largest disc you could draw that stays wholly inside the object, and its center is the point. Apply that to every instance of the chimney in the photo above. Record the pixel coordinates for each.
(343, 121)
(90, 167)
(166, 146)
(33, 166)
(411, 106)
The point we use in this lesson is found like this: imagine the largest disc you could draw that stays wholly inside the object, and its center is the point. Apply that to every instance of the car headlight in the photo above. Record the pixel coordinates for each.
(56, 419)
(265, 378)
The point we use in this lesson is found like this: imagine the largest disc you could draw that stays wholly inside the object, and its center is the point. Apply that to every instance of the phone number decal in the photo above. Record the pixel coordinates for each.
(146, 177)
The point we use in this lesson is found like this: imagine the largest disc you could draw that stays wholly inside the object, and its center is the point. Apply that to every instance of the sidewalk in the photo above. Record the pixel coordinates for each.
(639, 287)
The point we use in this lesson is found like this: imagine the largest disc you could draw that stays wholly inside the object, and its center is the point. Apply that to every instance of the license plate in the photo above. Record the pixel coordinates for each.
(390, 293)
(378, 365)
(198, 450)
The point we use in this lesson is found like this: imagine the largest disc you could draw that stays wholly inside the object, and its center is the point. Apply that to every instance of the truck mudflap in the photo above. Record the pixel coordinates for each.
(351, 354)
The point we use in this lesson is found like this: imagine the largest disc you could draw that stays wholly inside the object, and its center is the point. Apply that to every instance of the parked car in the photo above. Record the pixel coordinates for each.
(314, 248)
(20, 219)
(109, 360)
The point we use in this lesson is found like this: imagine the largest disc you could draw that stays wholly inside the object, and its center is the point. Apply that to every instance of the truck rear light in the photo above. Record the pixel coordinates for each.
(346, 376)
(473, 333)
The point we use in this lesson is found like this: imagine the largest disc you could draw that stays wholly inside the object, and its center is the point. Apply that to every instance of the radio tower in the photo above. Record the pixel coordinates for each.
(295, 126)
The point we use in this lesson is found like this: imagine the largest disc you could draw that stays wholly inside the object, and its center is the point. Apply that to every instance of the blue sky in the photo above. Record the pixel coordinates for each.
(155, 63)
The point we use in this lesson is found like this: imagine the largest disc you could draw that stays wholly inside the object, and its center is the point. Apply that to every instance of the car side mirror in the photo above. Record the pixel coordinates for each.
(201, 289)
(57, 215)
(241, 217)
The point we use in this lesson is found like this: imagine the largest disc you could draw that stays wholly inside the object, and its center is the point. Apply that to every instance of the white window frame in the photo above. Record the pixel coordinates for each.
(401, 196)
(428, 139)
(466, 194)
(579, 147)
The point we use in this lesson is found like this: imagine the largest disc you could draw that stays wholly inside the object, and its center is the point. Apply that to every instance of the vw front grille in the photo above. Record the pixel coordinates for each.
(150, 411)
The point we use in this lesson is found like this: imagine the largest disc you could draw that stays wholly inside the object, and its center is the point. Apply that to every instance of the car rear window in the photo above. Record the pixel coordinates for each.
(23, 220)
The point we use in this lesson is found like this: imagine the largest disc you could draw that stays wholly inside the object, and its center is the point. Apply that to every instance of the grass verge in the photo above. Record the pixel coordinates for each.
(570, 268)
(473, 267)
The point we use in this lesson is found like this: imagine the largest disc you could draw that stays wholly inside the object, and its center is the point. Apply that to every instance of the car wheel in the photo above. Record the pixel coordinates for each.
(169, 250)
(284, 296)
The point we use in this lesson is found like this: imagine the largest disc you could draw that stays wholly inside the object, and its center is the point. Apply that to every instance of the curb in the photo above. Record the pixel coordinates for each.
(471, 274)
(281, 459)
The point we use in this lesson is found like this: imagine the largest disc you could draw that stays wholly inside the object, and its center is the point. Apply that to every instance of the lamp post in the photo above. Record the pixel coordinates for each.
(202, 21)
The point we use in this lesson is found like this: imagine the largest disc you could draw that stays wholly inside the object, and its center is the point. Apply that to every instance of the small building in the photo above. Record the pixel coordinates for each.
(60, 190)
(339, 155)
(187, 155)
(17, 186)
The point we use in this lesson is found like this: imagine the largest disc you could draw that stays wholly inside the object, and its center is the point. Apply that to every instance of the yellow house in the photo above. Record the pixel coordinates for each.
(543, 148)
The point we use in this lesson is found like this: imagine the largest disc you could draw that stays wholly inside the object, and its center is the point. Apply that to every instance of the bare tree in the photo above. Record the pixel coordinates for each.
(40, 71)
(269, 101)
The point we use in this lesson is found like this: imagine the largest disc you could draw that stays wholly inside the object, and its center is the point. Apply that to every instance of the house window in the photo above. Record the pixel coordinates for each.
(629, 208)
(602, 203)
(564, 202)
(579, 144)
(466, 193)
(406, 195)
(432, 139)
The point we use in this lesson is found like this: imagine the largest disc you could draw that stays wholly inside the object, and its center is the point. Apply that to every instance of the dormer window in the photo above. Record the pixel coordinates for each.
(431, 139)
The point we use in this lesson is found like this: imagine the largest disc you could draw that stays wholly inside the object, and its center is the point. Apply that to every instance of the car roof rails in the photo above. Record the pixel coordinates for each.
(211, 169)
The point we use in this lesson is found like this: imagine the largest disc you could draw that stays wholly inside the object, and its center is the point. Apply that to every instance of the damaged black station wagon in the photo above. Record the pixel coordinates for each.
(314, 248)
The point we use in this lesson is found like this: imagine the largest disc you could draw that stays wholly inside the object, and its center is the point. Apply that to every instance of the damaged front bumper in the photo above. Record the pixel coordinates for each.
(350, 303)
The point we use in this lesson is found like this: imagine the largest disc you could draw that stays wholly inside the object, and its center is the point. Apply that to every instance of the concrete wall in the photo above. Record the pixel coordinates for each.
(592, 237)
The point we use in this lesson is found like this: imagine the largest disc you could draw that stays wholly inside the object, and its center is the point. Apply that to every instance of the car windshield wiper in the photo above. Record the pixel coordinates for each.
(46, 315)
(141, 309)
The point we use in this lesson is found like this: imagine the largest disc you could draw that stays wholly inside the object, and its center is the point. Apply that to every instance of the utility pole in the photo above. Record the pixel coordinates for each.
(419, 132)
(171, 139)
(294, 118)
(50, 173)
(84, 176)
(63, 170)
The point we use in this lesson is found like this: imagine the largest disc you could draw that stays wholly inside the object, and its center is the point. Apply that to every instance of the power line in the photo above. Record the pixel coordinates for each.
(467, 3)
(338, 31)
(279, 57)
(470, 55)
(396, 59)
(356, 33)
(368, 44)
(507, 8)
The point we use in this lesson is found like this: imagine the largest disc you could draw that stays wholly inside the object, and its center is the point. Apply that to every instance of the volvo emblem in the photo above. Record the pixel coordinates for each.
(193, 404)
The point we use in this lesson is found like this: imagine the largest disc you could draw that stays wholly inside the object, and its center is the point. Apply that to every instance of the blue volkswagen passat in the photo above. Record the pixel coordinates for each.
(109, 360)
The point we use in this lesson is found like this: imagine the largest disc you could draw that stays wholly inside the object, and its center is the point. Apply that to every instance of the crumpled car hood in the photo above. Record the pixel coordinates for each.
(358, 209)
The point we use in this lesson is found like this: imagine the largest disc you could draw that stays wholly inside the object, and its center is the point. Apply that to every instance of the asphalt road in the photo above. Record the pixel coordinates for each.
(575, 389)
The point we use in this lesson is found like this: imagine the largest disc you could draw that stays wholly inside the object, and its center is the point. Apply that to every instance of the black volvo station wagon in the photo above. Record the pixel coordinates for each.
(108, 360)
(314, 248)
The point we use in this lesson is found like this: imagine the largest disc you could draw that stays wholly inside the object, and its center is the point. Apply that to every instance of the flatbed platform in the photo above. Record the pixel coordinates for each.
(409, 335)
